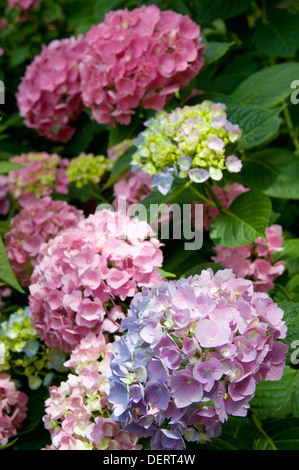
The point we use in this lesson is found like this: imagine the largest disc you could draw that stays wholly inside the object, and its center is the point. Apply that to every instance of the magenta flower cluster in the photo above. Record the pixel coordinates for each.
(23, 5)
(85, 274)
(138, 58)
(78, 415)
(13, 408)
(36, 223)
(4, 201)
(191, 354)
(255, 260)
(132, 59)
(49, 95)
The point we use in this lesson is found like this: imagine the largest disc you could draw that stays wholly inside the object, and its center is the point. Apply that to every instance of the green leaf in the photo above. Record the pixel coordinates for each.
(207, 10)
(198, 268)
(290, 250)
(166, 274)
(7, 274)
(282, 433)
(280, 36)
(4, 227)
(19, 56)
(258, 125)
(87, 130)
(121, 167)
(272, 171)
(214, 51)
(101, 7)
(225, 442)
(6, 167)
(269, 86)
(291, 318)
(275, 399)
(246, 219)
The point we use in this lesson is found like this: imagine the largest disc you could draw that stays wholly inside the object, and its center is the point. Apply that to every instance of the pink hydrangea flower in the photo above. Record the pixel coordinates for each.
(83, 275)
(72, 410)
(49, 95)
(41, 175)
(138, 58)
(23, 5)
(38, 221)
(5, 293)
(226, 196)
(133, 186)
(4, 202)
(255, 261)
(13, 408)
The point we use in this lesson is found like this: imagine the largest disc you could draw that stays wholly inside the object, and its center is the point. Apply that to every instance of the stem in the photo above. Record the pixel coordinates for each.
(201, 196)
(214, 197)
(258, 424)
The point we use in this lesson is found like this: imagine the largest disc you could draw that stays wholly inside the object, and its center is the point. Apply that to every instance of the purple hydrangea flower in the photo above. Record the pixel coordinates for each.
(191, 355)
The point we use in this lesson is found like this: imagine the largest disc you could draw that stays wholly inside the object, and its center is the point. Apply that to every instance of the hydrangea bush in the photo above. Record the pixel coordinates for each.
(128, 130)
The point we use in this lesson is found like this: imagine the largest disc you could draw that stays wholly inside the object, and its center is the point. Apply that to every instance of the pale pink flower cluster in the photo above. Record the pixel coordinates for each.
(49, 95)
(4, 202)
(13, 408)
(72, 410)
(138, 58)
(42, 173)
(23, 4)
(134, 186)
(5, 293)
(255, 261)
(38, 221)
(226, 196)
(117, 150)
(85, 274)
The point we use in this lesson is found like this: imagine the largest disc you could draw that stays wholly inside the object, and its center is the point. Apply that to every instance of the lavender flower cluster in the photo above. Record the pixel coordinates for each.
(192, 353)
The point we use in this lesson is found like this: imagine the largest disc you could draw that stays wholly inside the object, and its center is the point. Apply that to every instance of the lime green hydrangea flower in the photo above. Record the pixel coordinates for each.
(88, 169)
(22, 353)
(189, 142)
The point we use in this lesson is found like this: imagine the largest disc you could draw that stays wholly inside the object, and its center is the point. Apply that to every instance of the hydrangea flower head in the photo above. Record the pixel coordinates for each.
(134, 186)
(189, 142)
(117, 150)
(13, 408)
(88, 168)
(84, 275)
(49, 95)
(38, 221)
(23, 5)
(255, 260)
(23, 352)
(138, 58)
(5, 293)
(4, 201)
(78, 414)
(42, 173)
(191, 354)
